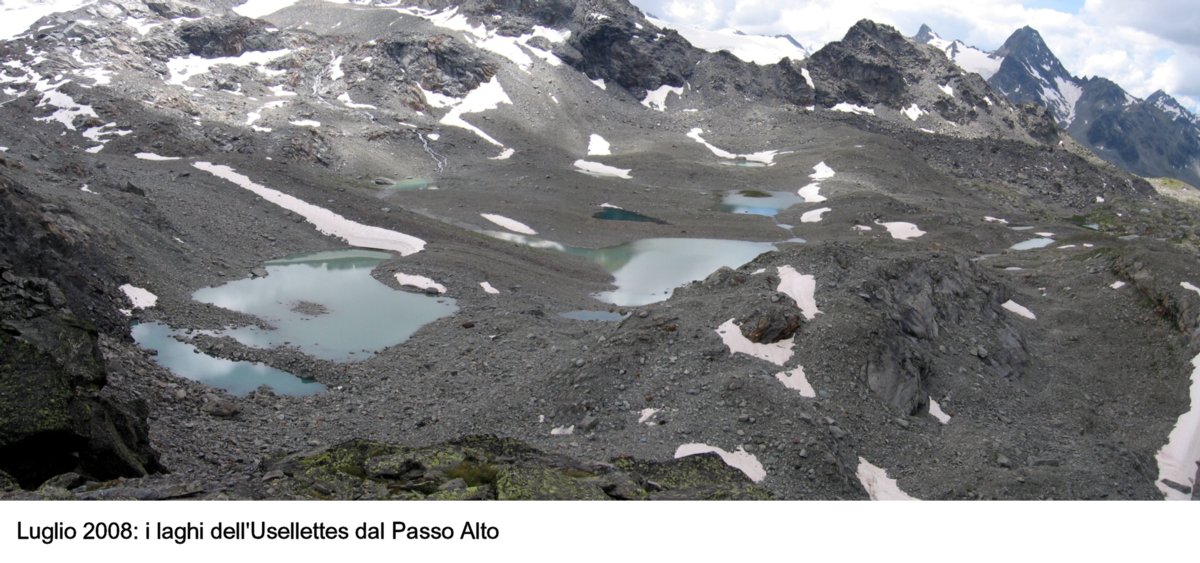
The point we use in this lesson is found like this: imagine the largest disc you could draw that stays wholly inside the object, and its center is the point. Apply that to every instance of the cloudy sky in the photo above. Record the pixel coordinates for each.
(1142, 45)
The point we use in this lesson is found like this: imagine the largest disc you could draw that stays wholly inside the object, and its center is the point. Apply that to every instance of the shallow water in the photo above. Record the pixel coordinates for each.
(411, 184)
(239, 378)
(768, 204)
(328, 305)
(647, 271)
(1033, 243)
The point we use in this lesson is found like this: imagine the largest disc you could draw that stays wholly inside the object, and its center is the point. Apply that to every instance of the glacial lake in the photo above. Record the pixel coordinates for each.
(751, 202)
(327, 305)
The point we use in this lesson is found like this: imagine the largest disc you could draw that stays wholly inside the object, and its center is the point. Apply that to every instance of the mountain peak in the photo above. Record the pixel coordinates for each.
(926, 34)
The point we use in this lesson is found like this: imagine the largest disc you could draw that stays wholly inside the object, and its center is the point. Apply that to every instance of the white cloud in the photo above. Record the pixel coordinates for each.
(1143, 46)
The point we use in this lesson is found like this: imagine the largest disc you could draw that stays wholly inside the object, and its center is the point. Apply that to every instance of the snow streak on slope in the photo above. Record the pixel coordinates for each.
(740, 459)
(326, 221)
(487, 96)
(758, 49)
(765, 157)
(515, 49)
(17, 15)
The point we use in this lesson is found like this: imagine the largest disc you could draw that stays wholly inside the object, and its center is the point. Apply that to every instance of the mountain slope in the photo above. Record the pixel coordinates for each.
(1156, 137)
(817, 270)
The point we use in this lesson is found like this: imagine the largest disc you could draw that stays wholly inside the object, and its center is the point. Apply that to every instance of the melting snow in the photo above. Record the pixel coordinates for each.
(140, 298)
(811, 193)
(796, 380)
(597, 146)
(947, 89)
(260, 8)
(740, 459)
(1188, 286)
(305, 123)
(777, 353)
(487, 96)
(85, 189)
(936, 410)
(1117, 285)
(152, 156)
(335, 68)
(822, 171)
(851, 108)
(901, 230)
(1177, 459)
(326, 221)
(995, 220)
(1014, 307)
(504, 154)
(1032, 244)
(807, 79)
(17, 16)
(563, 431)
(183, 68)
(645, 416)
(912, 112)
(877, 484)
(601, 170)
(599, 82)
(801, 288)
(515, 49)
(510, 224)
(346, 101)
(765, 157)
(657, 99)
(487, 288)
(419, 282)
(815, 215)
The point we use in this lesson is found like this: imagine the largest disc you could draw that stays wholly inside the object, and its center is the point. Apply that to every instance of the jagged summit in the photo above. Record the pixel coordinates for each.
(1155, 137)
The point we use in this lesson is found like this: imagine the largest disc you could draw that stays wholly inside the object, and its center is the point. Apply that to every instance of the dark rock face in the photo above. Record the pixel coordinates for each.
(1028, 66)
(922, 300)
(617, 52)
(769, 325)
(874, 64)
(490, 468)
(440, 63)
(54, 416)
(227, 36)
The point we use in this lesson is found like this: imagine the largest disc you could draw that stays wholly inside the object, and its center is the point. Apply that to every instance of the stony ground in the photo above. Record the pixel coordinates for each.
(1072, 404)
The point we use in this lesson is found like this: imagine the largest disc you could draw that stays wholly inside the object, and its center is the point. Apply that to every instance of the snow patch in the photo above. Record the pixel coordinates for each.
(488, 289)
(1117, 285)
(1188, 286)
(901, 230)
(140, 298)
(599, 82)
(306, 123)
(510, 224)
(645, 416)
(184, 68)
(419, 282)
(801, 288)
(657, 99)
(946, 89)
(601, 170)
(777, 353)
(936, 410)
(815, 215)
(811, 193)
(765, 157)
(597, 146)
(326, 221)
(487, 96)
(152, 156)
(260, 8)
(877, 484)
(1021, 310)
(741, 459)
(346, 101)
(504, 154)
(851, 108)
(821, 171)
(995, 220)
(796, 380)
(563, 431)
(1177, 459)
(912, 112)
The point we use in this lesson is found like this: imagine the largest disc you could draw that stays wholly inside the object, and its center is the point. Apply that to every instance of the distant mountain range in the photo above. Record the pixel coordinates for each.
(1155, 137)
